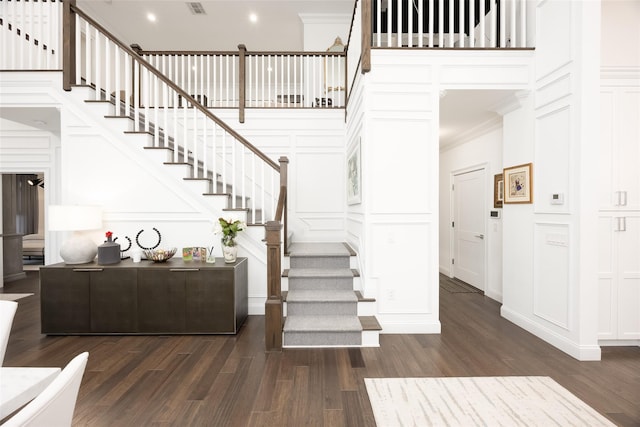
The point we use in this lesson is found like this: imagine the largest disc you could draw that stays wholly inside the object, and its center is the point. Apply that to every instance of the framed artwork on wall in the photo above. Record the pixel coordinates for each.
(518, 184)
(354, 179)
(498, 190)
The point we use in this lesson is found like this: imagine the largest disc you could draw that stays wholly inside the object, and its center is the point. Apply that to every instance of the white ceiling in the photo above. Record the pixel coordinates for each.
(465, 114)
(224, 26)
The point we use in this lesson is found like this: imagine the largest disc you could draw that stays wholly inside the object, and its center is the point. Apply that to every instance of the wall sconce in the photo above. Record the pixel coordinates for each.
(78, 249)
(37, 181)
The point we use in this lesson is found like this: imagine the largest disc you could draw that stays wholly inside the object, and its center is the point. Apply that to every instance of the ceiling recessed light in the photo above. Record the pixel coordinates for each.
(151, 17)
(253, 17)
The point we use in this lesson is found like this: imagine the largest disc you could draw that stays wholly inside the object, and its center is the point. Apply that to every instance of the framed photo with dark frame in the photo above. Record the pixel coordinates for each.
(518, 184)
(498, 190)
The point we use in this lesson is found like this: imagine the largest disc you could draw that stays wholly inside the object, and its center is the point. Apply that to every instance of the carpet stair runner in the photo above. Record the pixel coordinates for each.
(321, 304)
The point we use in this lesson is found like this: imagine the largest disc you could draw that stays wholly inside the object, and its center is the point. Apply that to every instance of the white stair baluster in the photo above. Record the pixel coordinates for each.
(432, 22)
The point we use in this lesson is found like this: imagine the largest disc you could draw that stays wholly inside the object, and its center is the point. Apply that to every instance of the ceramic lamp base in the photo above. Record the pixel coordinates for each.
(79, 249)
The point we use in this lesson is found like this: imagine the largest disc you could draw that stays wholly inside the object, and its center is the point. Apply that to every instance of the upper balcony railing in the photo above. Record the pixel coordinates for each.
(449, 23)
(245, 79)
(436, 24)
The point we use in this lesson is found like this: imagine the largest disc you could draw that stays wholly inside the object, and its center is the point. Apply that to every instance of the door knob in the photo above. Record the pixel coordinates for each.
(480, 236)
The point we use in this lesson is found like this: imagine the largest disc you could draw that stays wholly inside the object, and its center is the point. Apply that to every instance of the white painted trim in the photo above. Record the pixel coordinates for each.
(397, 327)
(618, 343)
(256, 306)
(579, 352)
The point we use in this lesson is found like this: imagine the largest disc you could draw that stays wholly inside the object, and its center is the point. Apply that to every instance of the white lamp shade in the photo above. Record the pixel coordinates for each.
(74, 218)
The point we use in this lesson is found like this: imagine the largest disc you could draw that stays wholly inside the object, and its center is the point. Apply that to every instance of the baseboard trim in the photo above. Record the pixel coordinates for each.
(575, 350)
(409, 328)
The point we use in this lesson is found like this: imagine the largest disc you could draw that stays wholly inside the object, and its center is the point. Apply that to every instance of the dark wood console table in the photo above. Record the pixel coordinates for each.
(175, 297)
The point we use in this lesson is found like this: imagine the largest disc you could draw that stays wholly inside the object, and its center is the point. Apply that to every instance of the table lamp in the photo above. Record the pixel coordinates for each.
(78, 249)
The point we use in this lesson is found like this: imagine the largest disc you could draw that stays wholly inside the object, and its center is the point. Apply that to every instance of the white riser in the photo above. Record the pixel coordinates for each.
(367, 308)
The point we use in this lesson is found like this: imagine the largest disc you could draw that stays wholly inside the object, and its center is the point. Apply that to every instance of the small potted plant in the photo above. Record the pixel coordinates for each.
(229, 228)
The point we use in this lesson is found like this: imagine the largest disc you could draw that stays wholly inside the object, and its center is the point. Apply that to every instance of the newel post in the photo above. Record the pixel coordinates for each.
(68, 45)
(273, 305)
(242, 66)
(284, 171)
(365, 55)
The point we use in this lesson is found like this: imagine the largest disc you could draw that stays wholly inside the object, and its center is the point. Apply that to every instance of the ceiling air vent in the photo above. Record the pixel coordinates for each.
(196, 8)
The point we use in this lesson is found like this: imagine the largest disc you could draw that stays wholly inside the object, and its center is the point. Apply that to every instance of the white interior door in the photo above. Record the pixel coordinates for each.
(468, 227)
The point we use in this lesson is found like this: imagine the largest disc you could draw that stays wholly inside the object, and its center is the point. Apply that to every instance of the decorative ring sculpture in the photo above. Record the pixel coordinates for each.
(152, 247)
(128, 247)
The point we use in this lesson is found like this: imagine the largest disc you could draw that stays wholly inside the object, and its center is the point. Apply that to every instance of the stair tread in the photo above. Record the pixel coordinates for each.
(299, 249)
(319, 272)
(370, 323)
(317, 323)
(330, 296)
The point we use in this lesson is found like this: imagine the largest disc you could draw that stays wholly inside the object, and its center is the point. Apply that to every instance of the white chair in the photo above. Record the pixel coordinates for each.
(55, 405)
(7, 311)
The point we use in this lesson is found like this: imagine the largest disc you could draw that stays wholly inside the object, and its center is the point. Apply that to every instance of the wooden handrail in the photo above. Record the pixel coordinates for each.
(281, 200)
(176, 88)
(236, 53)
(353, 18)
(365, 54)
(281, 211)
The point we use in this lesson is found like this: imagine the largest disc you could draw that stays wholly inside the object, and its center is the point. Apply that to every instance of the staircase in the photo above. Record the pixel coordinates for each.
(145, 108)
(322, 307)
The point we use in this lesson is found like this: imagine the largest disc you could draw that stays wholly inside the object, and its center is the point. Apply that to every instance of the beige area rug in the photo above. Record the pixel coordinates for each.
(13, 297)
(477, 401)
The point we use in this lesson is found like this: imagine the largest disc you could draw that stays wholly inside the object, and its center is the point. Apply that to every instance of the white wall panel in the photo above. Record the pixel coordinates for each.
(406, 189)
(607, 135)
(554, 23)
(552, 166)
(319, 183)
(317, 139)
(556, 89)
(396, 100)
(629, 270)
(551, 284)
(607, 327)
(403, 290)
(496, 76)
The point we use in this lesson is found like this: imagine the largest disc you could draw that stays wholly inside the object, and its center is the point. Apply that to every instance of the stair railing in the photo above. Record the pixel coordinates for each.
(177, 121)
(180, 123)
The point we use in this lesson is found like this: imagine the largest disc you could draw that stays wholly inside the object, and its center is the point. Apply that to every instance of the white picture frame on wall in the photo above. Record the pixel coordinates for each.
(354, 178)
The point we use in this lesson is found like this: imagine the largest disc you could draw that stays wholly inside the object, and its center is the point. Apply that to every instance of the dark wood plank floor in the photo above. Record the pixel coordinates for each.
(231, 381)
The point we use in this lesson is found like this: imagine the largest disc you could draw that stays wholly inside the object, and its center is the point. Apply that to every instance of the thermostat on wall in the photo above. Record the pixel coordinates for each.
(557, 199)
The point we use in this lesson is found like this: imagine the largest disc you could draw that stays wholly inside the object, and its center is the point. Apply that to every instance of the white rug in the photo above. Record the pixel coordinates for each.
(473, 401)
(13, 297)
